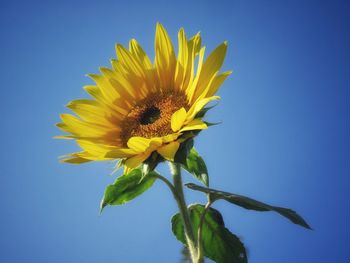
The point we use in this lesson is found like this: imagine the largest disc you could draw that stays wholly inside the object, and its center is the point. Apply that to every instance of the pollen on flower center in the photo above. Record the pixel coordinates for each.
(151, 117)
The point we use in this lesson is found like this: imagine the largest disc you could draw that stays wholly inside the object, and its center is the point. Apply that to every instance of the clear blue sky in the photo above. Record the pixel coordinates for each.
(284, 137)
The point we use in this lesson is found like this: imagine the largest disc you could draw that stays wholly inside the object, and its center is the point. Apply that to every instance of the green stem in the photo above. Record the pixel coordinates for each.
(180, 199)
(166, 181)
(200, 231)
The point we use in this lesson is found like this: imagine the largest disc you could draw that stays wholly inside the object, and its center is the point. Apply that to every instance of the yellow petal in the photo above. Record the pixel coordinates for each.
(196, 124)
(204, 92)
(192, 88)
(216, 83)
(169, 150)
(182, 60)
(96, 150)
(114, 77)
(90, 110)
(129, 61)
(197, 106)
(109, 92)
(177, 119)
(95, 92)
(140, 55)
(170, 137)
(78, 127)
(135, 161)
(193, 46)
(141, 144)
(78, 157)
(183, 50)
(212, 65)
(65, 137)
(121, 82)
(74, 159)
(195, 43)
(120, 153)
(138, 52)
(165, 60)
(138, 144)
(113, 85)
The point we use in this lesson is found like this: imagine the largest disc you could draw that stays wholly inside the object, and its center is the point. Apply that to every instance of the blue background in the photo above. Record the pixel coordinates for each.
(284, 138)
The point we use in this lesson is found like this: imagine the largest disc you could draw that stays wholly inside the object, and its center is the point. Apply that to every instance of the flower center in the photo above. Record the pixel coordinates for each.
(151, 117)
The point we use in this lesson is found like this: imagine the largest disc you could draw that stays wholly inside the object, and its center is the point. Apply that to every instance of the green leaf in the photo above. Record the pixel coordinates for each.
(195, 165)
(126, 188)
(218, 243)
(251, 204)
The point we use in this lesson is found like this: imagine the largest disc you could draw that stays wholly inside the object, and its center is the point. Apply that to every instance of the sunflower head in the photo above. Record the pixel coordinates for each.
(141, 109)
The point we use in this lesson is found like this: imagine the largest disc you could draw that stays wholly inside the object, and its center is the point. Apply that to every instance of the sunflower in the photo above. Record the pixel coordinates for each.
(139, 108)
